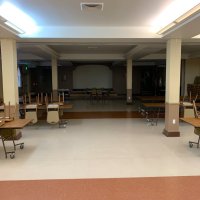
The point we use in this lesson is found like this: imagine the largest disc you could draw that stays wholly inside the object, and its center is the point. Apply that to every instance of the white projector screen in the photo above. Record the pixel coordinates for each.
(92, 76)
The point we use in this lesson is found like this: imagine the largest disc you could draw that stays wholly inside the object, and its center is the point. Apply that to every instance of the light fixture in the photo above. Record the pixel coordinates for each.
(189, 13)
(9, 26)
(14, 27)
(180, 19)
(91, 6)
(174, 13)
(166, 28)
(196, 36)
(16, 19)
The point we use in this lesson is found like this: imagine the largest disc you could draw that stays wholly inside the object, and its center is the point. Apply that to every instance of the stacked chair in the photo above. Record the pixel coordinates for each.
(196, 129)
(187, 104)
(31, 108)
(31, 112)
(52, 111)
(44, 100)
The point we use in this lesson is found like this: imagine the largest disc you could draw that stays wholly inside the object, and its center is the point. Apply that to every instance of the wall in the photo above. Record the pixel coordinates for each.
(119, 79)
(136, 80)
(92, 76)
(192, 69)
(40, 79)
(65, 77)
(1, 82)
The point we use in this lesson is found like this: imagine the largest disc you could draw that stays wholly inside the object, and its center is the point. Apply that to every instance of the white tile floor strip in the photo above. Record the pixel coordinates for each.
(101, 148)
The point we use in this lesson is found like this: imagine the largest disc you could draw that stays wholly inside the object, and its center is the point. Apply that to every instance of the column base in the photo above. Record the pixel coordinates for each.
(129, 96)
(171, 134)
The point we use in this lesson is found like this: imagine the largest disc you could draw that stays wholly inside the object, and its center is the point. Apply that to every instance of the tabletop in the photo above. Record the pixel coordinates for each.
(193, 121)
(16, 124)
(154, 105)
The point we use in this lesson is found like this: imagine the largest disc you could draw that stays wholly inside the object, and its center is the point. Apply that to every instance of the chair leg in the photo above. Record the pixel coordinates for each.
(197, 143)
(12, 153)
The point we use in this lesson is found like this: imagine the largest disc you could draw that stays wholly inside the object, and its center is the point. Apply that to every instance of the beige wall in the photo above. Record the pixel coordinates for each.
(192, 69)
(1, 82)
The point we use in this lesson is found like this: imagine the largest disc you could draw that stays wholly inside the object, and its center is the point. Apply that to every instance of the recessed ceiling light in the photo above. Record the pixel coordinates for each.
(91, 6)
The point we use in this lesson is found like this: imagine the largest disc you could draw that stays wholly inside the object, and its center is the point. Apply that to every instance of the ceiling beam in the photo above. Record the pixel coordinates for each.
(144, 50)
(48, 50)
(135, 50)
(91, 57)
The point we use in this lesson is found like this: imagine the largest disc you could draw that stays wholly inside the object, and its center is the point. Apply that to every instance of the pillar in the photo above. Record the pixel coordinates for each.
(10, 82)
(172, 96)
(129, 81)
(54, 78)
(9, 72)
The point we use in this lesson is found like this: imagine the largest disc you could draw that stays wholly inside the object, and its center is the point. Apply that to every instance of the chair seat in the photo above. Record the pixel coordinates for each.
(197, 131)
(187, 104)
(31, 106)
(53, 106)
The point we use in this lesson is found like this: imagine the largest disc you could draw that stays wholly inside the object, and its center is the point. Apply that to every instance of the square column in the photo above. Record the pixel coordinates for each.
(10, 82)
(54, 71)
(172, 96)
(129, 81)
(9, 71)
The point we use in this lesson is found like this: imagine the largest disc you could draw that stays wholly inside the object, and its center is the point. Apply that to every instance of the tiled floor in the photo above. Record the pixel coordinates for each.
(101, 148)
(105, 159)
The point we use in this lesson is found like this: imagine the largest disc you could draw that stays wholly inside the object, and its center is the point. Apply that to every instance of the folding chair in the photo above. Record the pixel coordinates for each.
(31, 113)
(53, 113)
(188, 106)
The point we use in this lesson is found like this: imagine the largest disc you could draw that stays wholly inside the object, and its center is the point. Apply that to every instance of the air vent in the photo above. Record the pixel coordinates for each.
(91, 6)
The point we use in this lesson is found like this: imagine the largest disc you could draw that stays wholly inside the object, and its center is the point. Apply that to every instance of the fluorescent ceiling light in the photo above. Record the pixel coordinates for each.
(196, 37)
(166, 28)
(14, 27)
(18, 19)
(174, 13)
(189, 13)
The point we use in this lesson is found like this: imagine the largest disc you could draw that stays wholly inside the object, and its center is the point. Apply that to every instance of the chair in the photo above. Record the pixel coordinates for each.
(196, 130)
(53, 113)
(2, 113)
(31, 113)
(188, 106)
(188, 109)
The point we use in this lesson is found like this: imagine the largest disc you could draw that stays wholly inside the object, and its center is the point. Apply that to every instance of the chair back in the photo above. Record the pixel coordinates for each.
(196, 112)
(53, 113)
(31, 112)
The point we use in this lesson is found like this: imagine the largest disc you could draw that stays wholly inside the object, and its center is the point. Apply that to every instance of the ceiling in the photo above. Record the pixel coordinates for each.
(121, 30)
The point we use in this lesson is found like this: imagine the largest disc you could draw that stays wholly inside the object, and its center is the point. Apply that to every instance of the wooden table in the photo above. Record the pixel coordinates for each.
(192, 121)
(151, 98)
(7, 133)
(154, 105)
(15, 124)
